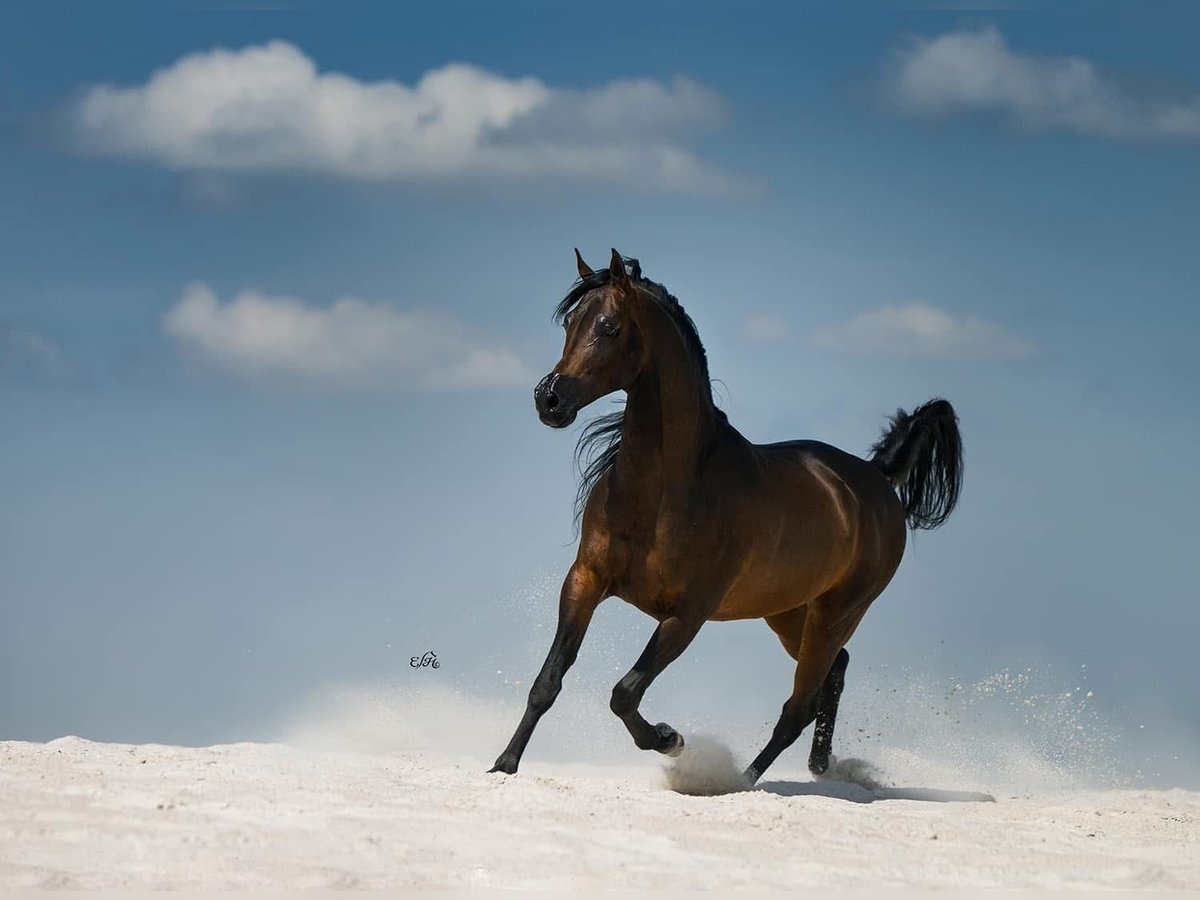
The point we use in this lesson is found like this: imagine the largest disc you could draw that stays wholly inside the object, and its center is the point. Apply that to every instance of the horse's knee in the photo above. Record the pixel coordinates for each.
(543, 694)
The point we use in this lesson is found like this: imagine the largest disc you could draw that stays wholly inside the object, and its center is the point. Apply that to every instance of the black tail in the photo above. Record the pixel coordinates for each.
(921, 454)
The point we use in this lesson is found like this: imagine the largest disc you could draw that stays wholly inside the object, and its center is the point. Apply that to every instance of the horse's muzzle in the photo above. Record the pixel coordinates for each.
(556, 400)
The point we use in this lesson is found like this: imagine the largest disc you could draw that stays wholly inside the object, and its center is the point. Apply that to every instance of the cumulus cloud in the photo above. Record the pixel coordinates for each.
(917, 330)
(350, 341)
(764, 328)
(268, 108)
(975, 70)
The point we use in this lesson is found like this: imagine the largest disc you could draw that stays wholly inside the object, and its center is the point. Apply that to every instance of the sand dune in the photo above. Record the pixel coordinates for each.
(74, 813)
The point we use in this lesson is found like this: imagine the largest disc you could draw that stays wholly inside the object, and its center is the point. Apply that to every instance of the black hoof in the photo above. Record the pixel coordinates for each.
(670, 741)
(505, 764)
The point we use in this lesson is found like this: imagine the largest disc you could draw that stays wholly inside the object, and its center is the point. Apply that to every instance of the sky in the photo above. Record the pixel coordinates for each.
(276, 284)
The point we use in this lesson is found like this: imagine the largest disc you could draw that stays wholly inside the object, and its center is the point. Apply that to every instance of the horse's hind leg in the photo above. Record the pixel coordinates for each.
(827, 707)
(815, 637)
(789, 627)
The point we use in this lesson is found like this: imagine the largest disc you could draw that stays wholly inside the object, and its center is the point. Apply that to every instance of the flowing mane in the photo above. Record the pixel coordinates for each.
(600, 441)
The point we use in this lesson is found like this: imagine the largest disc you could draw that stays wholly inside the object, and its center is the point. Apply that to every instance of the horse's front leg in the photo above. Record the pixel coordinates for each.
(582, 591)
(669, 640)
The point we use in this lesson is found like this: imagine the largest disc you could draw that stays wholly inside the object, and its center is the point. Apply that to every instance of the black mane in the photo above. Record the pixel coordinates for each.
(600, 442)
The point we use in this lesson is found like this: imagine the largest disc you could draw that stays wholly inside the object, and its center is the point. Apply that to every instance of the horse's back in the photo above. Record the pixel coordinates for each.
(860, 475)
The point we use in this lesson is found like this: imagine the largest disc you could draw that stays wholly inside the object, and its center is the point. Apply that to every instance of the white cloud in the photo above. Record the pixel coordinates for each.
(918, 330)
(349, 342)
(964, 71)
(268, 108)
(764, 328)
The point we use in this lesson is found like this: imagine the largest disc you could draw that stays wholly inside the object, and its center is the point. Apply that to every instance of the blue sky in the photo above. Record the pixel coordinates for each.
(268, 334)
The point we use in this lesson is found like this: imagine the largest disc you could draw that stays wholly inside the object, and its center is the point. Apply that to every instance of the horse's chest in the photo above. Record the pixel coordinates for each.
(654, 554)
(651, 578)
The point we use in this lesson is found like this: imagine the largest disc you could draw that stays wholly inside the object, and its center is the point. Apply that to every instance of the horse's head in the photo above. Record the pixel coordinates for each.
(603, 349)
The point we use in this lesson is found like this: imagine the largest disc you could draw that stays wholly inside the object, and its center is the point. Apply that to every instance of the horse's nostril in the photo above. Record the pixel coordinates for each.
(551, 401)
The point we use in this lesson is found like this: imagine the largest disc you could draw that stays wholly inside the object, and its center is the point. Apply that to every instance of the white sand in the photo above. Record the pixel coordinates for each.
(79, 814)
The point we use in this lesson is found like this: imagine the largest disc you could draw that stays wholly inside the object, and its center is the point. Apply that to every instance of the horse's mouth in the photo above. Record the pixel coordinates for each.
(558, 417)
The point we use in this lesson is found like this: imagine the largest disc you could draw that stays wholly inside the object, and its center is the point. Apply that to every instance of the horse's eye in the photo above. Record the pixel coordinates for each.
(607, 326)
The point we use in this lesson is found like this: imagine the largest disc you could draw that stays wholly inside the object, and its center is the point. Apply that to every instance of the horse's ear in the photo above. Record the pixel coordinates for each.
(584, 269)
(617, 267)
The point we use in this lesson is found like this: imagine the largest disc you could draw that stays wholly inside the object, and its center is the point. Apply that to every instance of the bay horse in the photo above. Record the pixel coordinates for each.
(690, 522)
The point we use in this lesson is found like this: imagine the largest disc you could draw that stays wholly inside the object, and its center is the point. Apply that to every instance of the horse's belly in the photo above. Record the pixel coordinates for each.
(780, 561)
(656, 607)
(760, 598)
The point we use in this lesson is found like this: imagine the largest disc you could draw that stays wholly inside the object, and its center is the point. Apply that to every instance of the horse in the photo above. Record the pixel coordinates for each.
(690, 522)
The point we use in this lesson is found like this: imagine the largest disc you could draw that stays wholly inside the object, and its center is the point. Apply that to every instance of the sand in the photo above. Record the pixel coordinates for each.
(75, 813)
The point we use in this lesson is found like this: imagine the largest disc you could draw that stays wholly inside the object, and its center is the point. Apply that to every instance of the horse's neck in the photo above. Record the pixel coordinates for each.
(669, 419)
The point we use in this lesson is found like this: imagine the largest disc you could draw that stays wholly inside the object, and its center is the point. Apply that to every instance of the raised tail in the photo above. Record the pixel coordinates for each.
(921, 454)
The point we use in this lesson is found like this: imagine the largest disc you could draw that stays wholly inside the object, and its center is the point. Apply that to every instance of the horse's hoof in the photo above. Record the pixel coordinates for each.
(818, 765)
(504, 764)
(672, 740)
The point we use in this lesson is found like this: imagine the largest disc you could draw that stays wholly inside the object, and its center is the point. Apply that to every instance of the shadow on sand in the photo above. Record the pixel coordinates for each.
(856, 793)
(858, 781)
